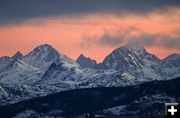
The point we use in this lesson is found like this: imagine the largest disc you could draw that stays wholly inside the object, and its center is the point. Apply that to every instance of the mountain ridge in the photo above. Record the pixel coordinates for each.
(44, 71)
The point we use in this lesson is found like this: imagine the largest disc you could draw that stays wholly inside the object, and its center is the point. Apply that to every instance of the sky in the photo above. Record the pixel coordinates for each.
(93, 28)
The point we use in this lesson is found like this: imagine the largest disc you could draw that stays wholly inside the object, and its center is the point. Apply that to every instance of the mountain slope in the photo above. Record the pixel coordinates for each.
(4, 62)
(61, 70)
(18, 72)
(70, 73)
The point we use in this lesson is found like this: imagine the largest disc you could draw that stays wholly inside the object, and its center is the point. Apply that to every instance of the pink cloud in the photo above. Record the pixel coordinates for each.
(76, 36)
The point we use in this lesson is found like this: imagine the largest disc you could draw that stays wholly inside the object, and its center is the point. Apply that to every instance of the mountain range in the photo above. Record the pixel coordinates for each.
(45, 71)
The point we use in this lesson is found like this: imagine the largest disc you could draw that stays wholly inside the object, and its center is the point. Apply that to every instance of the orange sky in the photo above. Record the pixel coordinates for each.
(75, 36)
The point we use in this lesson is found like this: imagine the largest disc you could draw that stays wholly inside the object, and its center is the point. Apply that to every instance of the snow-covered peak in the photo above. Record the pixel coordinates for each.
(86, 62)
(42, 56)
(129, 55)
(45, 51)
(135, 61)
(18, 55)
(133, 47)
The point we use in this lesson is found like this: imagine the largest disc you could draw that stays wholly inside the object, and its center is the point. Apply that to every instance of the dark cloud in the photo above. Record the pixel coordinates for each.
(144, 40)
(17, 11)
(124, 37)
(121, 36)
(108, 39)
(116, 40)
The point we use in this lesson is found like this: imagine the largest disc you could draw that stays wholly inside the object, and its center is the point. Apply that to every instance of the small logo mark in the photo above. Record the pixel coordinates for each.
(172, 110)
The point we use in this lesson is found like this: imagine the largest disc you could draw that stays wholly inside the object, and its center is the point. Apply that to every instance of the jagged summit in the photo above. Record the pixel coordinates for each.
(132, 48)
(128, 54)
(43, 52)
(86, 62)
(42, 56)
(81, 55)
(44, 46)
(44, 49)
(17, 55)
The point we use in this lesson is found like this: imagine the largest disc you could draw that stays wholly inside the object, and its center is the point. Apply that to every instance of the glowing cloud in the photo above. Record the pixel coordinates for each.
(96, 35)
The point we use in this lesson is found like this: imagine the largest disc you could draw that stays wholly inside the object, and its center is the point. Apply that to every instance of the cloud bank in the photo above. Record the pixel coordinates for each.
(134, 36)
(22, 10)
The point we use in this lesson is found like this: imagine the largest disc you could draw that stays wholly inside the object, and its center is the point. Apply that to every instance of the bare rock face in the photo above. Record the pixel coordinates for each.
(86, 62)
(18, 55)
